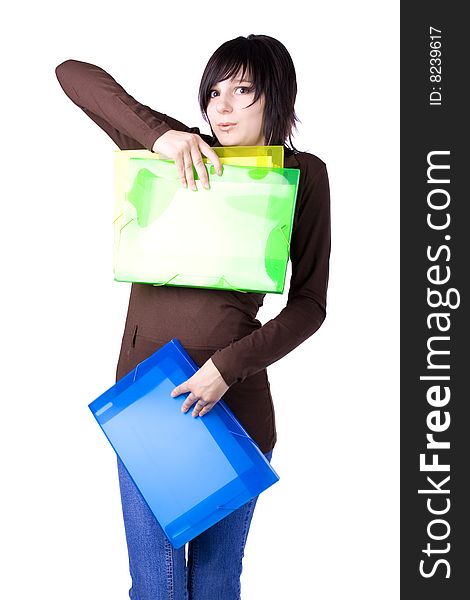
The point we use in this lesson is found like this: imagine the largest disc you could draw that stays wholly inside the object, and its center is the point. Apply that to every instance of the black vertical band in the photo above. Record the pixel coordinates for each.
(435, 273)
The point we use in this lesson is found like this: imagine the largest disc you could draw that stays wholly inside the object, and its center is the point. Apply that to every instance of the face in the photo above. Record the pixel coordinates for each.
(227, 104)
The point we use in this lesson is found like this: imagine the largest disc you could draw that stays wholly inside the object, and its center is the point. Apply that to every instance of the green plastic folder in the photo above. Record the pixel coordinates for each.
(235, 236)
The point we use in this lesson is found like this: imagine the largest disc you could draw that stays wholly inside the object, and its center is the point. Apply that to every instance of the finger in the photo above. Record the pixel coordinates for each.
(199, 408)
(212, 156)
(200, 166)
(204, 410)
(190, 400)
(182, 388)
(188, 169)
(179, 162)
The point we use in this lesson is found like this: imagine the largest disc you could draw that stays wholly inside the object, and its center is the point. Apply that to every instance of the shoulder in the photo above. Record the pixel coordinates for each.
(313, 188)
(310, 165)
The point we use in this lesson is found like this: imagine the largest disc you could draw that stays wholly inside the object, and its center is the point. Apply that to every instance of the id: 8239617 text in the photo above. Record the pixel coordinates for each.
(435, 67)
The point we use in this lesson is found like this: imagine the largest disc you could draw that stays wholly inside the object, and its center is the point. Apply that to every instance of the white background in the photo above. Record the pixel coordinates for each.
(329, 529)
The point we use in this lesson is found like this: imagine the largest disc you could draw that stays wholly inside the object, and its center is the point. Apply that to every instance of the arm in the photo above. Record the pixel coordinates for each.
(128, 123)
(306, 305)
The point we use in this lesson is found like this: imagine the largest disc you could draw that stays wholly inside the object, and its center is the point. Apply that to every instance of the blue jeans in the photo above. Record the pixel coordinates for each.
(159, 572)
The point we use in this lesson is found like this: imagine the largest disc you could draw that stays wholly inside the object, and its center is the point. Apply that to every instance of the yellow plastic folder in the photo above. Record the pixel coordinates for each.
(247, 156)
(235, 236)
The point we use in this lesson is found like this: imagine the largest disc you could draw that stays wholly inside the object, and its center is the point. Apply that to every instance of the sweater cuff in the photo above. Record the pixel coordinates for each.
(152, 136)
(225, 366)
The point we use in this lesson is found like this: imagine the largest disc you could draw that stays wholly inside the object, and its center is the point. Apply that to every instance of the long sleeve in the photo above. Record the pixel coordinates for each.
(130, 124)
(305, 310)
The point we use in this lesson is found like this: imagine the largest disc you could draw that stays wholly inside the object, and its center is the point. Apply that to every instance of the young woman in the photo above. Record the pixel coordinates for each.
(247, 95)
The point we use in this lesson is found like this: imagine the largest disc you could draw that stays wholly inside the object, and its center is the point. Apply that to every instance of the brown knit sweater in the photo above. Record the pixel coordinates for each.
(217, 323)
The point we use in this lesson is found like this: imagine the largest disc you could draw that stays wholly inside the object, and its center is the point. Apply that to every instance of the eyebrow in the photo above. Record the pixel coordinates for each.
(238, 81)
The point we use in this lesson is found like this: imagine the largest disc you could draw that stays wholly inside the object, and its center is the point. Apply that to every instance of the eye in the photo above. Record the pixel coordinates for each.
(247, 89)
(241, 87)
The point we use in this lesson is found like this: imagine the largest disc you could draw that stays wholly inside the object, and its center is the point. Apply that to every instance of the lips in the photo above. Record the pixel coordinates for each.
(226, 124)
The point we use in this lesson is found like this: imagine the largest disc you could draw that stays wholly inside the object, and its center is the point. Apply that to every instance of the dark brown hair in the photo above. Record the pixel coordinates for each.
(272, 73)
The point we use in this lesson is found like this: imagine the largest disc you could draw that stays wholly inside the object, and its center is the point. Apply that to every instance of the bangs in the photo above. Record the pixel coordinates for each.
(226, 66)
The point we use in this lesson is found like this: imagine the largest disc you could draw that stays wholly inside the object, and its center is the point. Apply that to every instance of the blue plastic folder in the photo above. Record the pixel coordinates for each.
(192, 472)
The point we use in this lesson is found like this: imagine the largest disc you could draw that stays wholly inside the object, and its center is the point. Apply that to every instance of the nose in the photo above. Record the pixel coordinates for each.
(223, 104)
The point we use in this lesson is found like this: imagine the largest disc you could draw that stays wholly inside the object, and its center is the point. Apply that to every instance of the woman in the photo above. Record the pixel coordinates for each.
(247, 95)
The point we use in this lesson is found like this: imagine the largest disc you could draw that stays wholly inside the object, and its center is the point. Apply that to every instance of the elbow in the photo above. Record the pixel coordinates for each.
(61, 73)
(315, 320)
(319, 320)
(310, 311)
(65, 68)
(68, 78)
(62, 68)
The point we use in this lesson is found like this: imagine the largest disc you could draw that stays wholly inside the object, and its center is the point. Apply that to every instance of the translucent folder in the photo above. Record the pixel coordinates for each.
(234, 236)
(248, 156)
(192, 472)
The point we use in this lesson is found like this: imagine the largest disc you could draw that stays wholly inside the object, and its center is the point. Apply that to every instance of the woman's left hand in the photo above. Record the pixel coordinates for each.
(207, 386)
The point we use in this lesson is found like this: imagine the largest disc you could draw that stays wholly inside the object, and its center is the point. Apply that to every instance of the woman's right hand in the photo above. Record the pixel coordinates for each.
(186, 149)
